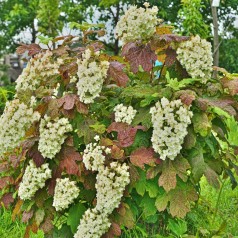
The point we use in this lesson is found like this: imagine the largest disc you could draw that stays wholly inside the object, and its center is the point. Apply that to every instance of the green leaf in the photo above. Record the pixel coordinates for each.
(232, 127)
(64, 232)
(178, 227)
(75, 214)
(148, 206)
(85, 26)
(152, 188)
(161, 202)
(201, 123)
(98, 128)
(143, 117)
(45, 40)
(198, 165)
(140, 185)
(177, 85)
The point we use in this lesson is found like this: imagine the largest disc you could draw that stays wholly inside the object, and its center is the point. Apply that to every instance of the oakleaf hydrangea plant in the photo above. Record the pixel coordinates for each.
(93, 143)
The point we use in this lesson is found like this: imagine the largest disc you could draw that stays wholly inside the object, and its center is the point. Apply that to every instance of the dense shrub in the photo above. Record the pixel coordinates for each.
(107, 140)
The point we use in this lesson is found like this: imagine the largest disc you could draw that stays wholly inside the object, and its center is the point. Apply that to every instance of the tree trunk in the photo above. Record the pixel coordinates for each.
(215, 39)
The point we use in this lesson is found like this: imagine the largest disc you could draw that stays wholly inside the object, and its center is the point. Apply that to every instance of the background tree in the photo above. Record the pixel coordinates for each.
(16, 17)
(48, 17)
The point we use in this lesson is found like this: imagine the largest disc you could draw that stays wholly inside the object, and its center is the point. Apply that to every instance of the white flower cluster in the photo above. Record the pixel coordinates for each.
(91, 75)
(52, 135)
(196, 56)
(170, 121)
(93, 224)
(33, 179)
(38, 71)
(93, 157)
(65, 193)
(124, 113)
(137, 24)
(110, 185)
(14, 122)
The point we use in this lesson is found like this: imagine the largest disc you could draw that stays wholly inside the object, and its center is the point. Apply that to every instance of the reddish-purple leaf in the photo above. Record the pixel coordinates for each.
(35, 154)
(5, 181)
(67, 102)
(231, 84)
(139, 55)
(187, 97)
(116, 72)
(55, 174)
(114, 230)
(69, 157)
(171, 56)
(142, 156)
(224, 104)
(7, 199)
(26, 216)
(126, 133)
(32, 49)
(81, 107)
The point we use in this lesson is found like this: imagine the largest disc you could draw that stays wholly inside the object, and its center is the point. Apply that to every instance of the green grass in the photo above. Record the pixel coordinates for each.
(217, 211)
(10, 229)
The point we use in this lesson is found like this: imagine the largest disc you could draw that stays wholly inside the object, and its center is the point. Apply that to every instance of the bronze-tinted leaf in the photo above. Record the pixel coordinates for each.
(69, 156)
(32, 49)
(114, 230)
(35, 154)
(142, 156)
(5, 181)
(116, 72)
(231, 84)
(126, 133)
(170, 170)
(67, 101)
(27, 215)
(139, 55)
(171, 56)
(117, 153)
(7, 199)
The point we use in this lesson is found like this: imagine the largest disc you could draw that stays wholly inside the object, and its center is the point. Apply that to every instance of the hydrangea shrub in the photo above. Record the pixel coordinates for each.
(93, 143)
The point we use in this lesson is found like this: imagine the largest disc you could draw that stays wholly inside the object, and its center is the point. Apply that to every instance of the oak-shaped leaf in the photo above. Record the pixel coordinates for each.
(5, 181)
(27, 215)
(226, 104)
(35, 154)
(31, 49)
(186, 96)
(7, 199)
(67, 101)
(139, 55)
(171, 56)
(170, 170)
(161, 40)
(114, 230)
(126, 133)
(125, 216)
(142, 156)
(116, 72)
(56, 173)
(212, 177)
(69, 156)
(231, 85)
(117, 153)
(179, 200)
(201, 123)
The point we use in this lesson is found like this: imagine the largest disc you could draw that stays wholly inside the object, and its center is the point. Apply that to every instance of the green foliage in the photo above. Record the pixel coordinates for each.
(192, 20)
